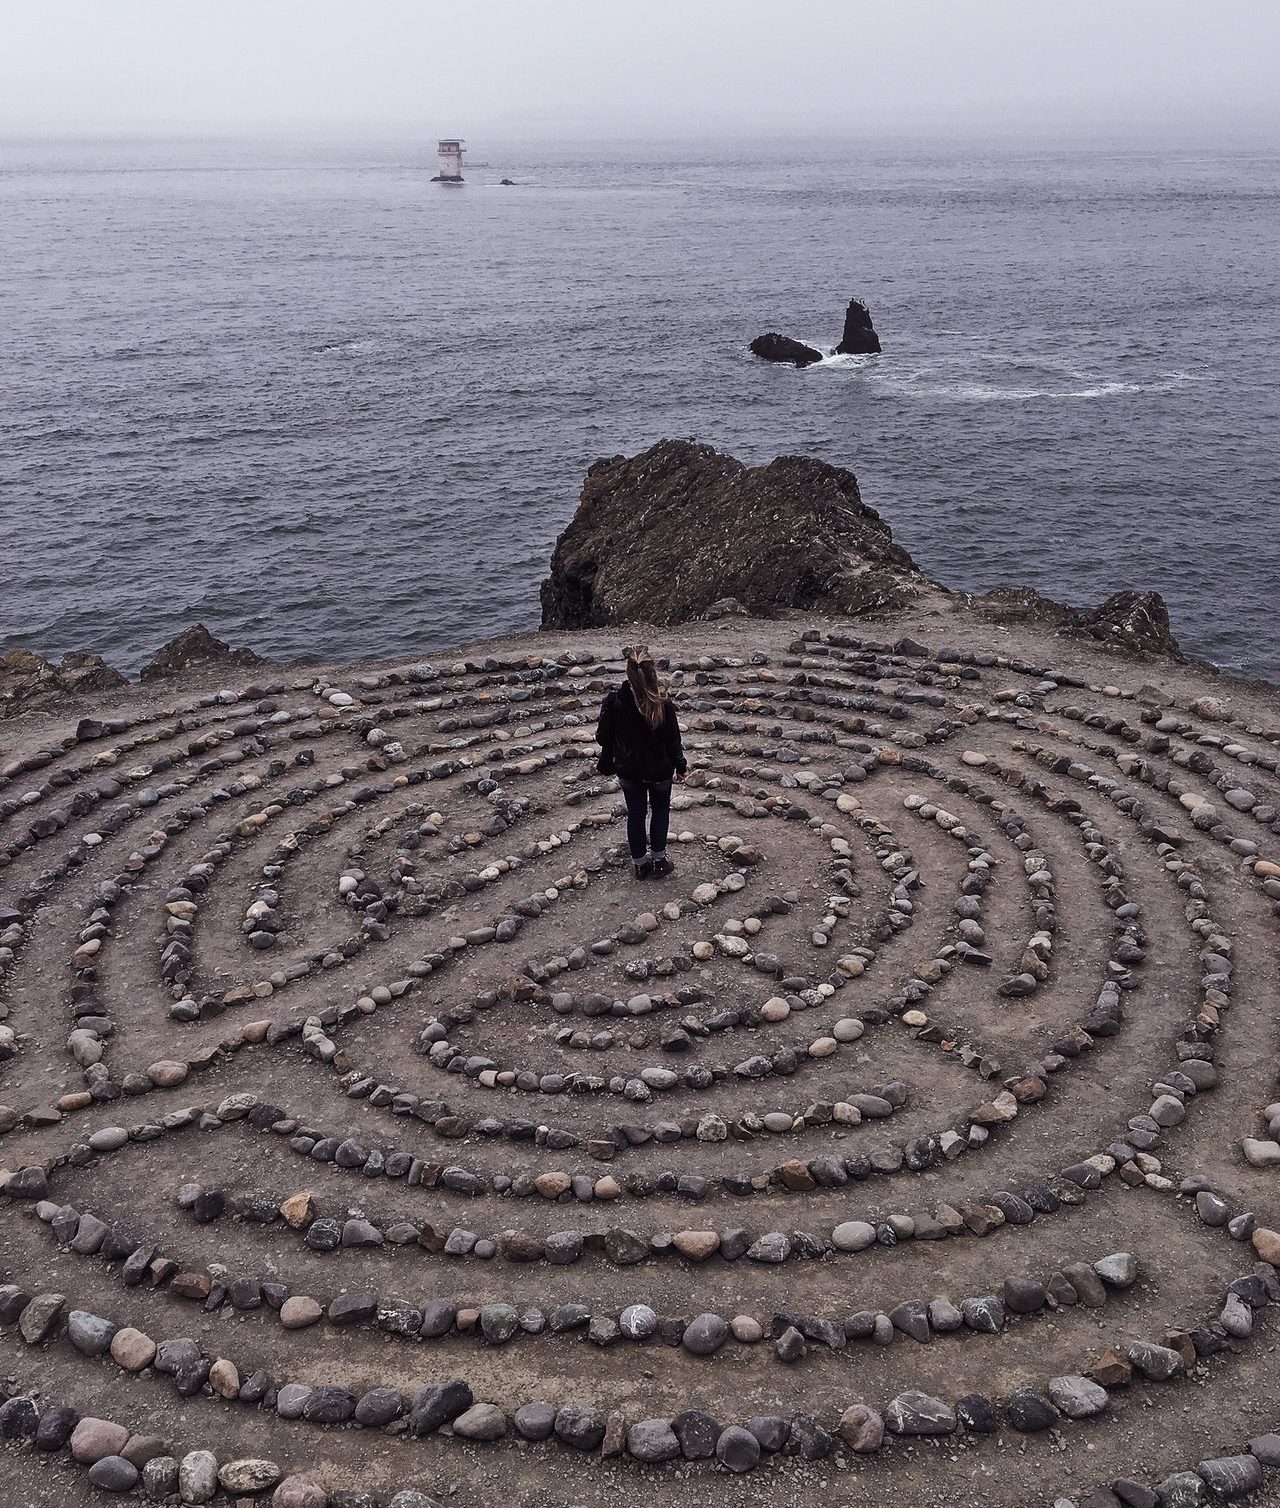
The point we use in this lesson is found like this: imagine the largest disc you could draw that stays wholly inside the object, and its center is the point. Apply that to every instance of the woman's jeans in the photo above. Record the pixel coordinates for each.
(655, 797)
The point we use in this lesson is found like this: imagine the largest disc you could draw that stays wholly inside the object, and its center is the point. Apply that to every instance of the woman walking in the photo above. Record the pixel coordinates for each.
(639, 738)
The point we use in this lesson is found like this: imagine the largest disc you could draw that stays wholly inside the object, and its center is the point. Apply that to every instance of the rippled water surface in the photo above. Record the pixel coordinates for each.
(332, 409)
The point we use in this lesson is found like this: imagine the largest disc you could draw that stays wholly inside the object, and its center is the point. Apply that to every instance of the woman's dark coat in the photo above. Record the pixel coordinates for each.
(630, 747)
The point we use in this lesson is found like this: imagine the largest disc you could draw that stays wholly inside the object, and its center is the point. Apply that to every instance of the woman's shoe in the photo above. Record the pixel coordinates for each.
(643, 869)
(659, 868)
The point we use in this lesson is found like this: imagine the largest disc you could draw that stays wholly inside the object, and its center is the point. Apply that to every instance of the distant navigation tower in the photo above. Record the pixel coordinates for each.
(450, 151)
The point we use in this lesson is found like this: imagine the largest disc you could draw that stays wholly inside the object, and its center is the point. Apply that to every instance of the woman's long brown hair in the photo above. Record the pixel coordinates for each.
(649, 692)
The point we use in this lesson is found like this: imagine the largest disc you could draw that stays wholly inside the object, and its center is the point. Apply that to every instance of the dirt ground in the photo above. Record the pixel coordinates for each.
(1039, 776)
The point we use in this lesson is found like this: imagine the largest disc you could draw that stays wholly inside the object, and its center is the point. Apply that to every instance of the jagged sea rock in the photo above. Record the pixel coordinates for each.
(1134, 621)
(775, 347)
(28, 680)
(859, 337)
(663, 536)
(195, 648)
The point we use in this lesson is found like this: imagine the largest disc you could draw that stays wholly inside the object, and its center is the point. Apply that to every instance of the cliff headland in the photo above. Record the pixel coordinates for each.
(367, 1131)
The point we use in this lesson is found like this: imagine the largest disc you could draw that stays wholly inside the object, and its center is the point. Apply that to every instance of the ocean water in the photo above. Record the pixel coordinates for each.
(300, 393)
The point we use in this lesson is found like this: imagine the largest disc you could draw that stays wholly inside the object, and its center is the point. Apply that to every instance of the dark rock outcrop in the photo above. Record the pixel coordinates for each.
(1134, 621)
(859, 338)
(774, 347)
(195, 648)
(664, 536)
(28, 680)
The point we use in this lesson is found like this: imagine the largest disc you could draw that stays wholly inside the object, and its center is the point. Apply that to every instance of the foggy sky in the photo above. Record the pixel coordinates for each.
(1182, 68)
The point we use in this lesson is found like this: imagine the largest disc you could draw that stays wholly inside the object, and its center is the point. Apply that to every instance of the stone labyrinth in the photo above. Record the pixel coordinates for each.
(370, 1135)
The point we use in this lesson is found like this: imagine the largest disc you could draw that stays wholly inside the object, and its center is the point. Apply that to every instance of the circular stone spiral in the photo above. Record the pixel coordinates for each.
(372, 1136)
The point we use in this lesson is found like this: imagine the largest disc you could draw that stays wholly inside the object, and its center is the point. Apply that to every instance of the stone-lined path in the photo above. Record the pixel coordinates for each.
(366, 1129)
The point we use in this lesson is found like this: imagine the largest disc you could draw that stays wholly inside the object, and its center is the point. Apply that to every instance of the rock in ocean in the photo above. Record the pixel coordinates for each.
(774, 347)
(794, 533)
(859, 337)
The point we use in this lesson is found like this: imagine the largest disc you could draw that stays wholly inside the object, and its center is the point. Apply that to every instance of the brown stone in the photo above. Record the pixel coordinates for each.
(795, 1175)
(299, 1210)
(1111, 1370)
(298, 1311)
(191, 1285)
(862, 1429)
(139, 1449)
(1027, 1091)
(697, 1245)
(615, 1435)
(132, 1350)
(1181, 1342)
(1267, 1245)
(982, 1219)
(949, 1218)
(520, 1246)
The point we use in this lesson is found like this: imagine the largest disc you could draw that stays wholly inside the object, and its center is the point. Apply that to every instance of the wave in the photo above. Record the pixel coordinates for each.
(357, 346)
(933, 382)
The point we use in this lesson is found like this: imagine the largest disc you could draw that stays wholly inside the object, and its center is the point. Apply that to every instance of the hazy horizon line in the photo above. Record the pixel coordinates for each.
(1149, 133)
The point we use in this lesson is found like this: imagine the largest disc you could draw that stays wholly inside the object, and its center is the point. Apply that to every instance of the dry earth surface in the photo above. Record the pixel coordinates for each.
(342, 1049)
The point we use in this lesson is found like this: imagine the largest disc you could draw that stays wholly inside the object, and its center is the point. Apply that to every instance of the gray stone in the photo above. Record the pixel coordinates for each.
(329, 1405)
(482, 1421)
(90, 1333)
(916, 1413)
(298, 1492)
(1024, 1295)
(1159, 1363)
(438, 1316)
(1185, 1489)
(790, 1345)
(579, 1426)
(1259, 1153)
(535, 1421)
(40, 1316)
(1030, 1411)
(291, 1399)
(1077, 1397)
(498, 1323)
(773, 1247)
(853, 1235)
(378, 1407)
(1266, 1448)
(436, 1404)
(705, 1334)
(738, 1449)
(1211, 1209)
(198, 1476)
(637, 1321)
(771, 1430)
(249, 1474)
(1232, 1477)
(113, 1474)
(19, 1419)
(985, 1315)
(160, 1478)
(978, 1414)
(944, 1317)
(55, 1427)
(912, 1318)
(1120, 1270)
(697, 1433)
(1236, 1317)
(652, 1440)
